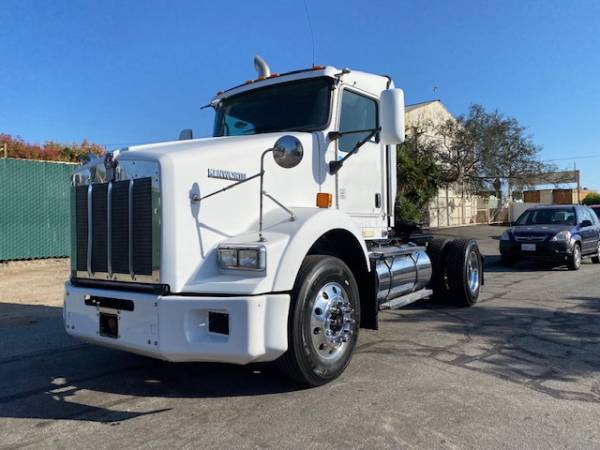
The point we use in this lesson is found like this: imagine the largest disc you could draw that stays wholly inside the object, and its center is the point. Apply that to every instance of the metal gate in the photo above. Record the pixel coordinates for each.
(34, 209)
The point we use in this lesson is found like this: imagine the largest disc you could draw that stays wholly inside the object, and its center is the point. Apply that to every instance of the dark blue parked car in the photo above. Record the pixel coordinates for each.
(557, 233)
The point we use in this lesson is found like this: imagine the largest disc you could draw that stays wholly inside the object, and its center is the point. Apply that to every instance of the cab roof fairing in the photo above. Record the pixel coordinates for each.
(327, 71)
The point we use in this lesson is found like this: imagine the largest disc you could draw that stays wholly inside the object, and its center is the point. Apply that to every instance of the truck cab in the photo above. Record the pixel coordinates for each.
(270, 241)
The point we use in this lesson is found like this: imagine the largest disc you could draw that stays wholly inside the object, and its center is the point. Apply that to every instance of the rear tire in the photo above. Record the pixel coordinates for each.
(436, 250)
(323, 321)
(464, 271)
(574, 262)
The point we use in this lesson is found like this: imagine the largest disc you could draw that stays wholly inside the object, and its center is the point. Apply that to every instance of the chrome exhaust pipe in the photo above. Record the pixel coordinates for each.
(262, 68)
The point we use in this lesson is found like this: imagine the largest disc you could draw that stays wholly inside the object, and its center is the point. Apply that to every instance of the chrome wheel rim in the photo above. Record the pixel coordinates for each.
(577, 256)
(473, 271)
(331, 324)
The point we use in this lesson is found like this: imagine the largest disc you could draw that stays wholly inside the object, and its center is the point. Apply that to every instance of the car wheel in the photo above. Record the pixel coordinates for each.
(575, 258)
(596, 257)
(464, 271)
(323, 321)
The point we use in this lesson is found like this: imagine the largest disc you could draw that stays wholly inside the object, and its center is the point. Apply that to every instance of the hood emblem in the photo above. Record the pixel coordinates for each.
(226, 175)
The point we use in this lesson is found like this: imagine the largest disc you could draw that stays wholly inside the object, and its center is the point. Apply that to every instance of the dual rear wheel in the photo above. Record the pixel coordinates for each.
(457, 271)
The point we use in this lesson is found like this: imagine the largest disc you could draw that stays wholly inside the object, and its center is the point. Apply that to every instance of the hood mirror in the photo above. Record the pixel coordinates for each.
(288, 151)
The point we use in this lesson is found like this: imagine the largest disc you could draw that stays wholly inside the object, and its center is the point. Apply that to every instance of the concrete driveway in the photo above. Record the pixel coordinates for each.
(518, 370)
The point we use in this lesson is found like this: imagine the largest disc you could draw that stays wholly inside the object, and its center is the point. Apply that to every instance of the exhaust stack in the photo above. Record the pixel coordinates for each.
(261, 66)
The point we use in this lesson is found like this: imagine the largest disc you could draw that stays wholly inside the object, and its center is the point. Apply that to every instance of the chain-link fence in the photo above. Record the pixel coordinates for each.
(34, 209)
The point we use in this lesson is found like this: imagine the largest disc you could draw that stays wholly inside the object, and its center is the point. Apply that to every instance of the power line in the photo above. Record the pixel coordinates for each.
(572, 158)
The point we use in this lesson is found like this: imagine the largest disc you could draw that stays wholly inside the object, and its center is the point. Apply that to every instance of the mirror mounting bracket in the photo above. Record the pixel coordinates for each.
(335, 166)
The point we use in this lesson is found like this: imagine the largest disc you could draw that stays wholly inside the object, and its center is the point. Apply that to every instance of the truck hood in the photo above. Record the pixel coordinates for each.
(191, 230)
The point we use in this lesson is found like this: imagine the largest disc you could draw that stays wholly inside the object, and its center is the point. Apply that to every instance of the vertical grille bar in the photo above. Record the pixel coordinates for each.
(90, 237)
(109, 229)
(100, 229)
(142, 226)
(119, 227)
(130, 216)
(81, 228)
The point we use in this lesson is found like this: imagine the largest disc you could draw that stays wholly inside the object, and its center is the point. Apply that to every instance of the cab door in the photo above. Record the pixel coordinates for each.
(360, 180)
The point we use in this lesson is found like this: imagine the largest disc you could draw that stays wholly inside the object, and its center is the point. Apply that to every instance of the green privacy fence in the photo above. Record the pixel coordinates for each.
(34, 209)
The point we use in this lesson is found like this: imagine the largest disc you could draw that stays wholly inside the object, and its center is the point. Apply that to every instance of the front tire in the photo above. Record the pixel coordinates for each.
(323, 321)
(574, 262)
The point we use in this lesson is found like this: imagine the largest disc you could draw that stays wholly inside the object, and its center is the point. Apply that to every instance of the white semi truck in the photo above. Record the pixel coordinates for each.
(273, 240)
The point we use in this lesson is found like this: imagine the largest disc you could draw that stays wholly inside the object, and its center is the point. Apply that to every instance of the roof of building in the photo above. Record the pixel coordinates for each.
(414, 106)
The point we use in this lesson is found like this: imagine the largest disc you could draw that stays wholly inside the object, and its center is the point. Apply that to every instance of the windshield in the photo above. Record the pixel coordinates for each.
(299, 105)
(548, 216)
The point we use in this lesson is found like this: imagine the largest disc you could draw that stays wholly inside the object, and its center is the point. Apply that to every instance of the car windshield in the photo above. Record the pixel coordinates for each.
(596, 209)
(299, 105)
(548, 216)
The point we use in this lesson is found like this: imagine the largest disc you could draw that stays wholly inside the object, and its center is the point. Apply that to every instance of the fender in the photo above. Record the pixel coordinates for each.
(287, 243)
(312, 223)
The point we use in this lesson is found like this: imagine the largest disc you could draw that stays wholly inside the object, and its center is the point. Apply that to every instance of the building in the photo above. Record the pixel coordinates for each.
(557, 196)
(453, 205)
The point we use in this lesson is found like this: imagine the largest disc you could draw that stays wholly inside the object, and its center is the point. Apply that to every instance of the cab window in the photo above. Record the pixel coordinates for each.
(358, 113)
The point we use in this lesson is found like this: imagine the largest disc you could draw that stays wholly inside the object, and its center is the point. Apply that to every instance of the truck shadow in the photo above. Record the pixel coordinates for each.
(77, 381)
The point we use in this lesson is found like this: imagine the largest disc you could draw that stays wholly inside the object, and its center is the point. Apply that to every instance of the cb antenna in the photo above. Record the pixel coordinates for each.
(312, 34)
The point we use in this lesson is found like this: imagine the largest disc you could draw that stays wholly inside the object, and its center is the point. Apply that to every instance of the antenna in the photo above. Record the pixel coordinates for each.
(312, 34)
(435, 88)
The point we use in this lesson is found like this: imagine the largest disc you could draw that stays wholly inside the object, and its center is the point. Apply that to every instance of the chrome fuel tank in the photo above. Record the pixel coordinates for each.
(399, 270)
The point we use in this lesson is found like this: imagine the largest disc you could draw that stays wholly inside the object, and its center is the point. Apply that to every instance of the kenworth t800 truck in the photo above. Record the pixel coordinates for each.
(273, 240)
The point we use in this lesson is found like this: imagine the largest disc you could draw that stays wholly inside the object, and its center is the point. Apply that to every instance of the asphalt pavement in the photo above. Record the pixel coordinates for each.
(518, 370)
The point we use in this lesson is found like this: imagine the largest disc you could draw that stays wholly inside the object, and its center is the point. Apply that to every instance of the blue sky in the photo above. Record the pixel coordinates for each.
(121, 72)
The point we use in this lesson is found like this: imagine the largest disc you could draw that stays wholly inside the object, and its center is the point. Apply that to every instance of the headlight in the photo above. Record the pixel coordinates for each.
(505, 236)
(244, 258)
(562, 236)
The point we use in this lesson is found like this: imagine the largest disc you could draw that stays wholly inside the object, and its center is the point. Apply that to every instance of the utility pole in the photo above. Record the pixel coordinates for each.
(578, 183)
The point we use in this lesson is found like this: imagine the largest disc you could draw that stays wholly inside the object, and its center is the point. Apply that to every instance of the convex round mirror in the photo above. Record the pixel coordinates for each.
(288, 151)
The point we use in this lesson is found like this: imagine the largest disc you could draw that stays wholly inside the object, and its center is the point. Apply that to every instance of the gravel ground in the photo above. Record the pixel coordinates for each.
(518, 370)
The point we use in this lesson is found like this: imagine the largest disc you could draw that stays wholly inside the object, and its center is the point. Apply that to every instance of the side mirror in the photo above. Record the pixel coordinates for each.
(586, 223)
(288, 151)
(391, 116)
(186, 135)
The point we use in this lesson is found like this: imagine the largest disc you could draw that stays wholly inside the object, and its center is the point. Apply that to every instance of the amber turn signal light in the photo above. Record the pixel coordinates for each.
(324, 200)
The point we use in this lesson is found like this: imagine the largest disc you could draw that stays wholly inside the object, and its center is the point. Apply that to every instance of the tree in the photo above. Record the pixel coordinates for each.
(593, 198)
(50, 151)
(506, 155)
(418, 175)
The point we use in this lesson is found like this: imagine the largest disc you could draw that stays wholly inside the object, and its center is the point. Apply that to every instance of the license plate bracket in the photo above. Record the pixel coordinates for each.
(528, 247)
(109, 325)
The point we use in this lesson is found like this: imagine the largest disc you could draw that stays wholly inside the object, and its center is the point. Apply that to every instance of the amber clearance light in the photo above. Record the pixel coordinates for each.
(324, 200)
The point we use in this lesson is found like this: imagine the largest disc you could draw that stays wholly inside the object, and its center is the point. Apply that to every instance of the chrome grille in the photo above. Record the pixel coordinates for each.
(530, 238)
(117, 225)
